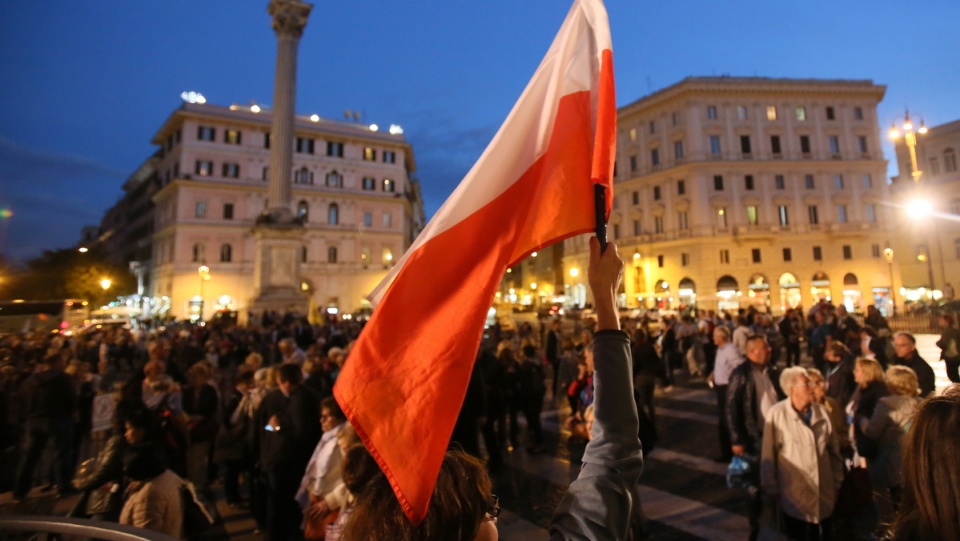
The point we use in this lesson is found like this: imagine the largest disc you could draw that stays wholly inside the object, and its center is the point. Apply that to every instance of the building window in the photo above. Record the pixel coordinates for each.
(682, 220)
(858, 113)
(715, 145)
(722, 217)
(755, 255)
(387, 219)
(369, 183)
(204, 168)
(231, 137)
(226, 253)
(369, 154)
(332, 254)
(748, 182)
(771, 112)
(616, 231)
(231, 170)
(775, 144)
(784, 215)
(949, 161)
(389, 185)
(724, 257)
(834, 143)
(934, 167)
(334, 179)
(867, 180)
(632, 134)
(745, 144)
(206, 133)
(753, 216)
(678, 149)
(847, 251)
(633, 163)
(801, 113)
(655, 156)
(389, 156)
(228, 211)
(808, 182)
(304, 145)
(830, 113)
(303, 254)
(653, 127)
(368, 219)
(365, 256)
(871, 213)
(718, 183)
(787, 255)
(636, 228)
(334, 149)
(303, 176)
(303, 211)
(779, 182)
(333, 214)
(266, 173)
(712, 112)
(176, 170)
(681, 187)
(875, 251)
(660, 261)
(200, 209)
(817, 253)
(198, 253)
(684, 259)
(636, 198)
(266, 140)
(838, 182)
(742, 112)
(862, 144)
(658, 224)
(842, 214)
(675, 119)
(805, 144)
(656, 193)
(813, 215)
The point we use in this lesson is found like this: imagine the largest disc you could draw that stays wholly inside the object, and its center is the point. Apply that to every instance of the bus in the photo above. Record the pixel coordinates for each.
(45, 316)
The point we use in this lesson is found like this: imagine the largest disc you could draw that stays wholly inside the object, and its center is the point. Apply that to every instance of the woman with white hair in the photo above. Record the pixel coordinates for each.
(800, 463)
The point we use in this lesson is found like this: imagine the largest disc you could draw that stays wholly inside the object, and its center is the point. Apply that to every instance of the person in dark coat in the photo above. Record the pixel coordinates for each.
(905, 345)
(472, 415)
(48, 401)
(840, 383)
(949, 345)
(532, 391)
(552, 352)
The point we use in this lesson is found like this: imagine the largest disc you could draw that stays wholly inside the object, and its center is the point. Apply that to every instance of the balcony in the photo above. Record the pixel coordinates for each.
(755, 232)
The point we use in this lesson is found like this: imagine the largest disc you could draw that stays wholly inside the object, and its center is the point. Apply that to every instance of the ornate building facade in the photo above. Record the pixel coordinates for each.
(734, 191)
(352, 190)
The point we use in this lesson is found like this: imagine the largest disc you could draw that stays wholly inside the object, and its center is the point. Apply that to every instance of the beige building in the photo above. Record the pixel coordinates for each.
(352, 189)
(927, 248)
(734, 191)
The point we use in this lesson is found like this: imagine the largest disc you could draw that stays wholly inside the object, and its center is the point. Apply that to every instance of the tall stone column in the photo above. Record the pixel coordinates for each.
(278, 235)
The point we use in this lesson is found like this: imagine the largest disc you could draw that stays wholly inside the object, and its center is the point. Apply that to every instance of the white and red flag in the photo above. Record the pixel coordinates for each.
(407, 375)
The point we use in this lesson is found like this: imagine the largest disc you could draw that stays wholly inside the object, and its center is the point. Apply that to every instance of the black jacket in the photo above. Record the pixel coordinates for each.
(840, 383)
(743, 407)
(925, 375)
(48, 394)
(291, 447)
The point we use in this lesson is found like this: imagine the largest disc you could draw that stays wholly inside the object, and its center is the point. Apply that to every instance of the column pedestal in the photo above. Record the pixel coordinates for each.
(276, 272)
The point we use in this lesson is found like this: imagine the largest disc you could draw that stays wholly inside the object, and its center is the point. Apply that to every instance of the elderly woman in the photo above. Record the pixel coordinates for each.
(930, 510)
(800, 462)
(890, 419)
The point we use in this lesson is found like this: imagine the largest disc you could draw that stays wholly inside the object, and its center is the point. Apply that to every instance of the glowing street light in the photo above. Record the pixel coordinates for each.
(574, 272)
(83, 249)
(105, 283)
(906, 130)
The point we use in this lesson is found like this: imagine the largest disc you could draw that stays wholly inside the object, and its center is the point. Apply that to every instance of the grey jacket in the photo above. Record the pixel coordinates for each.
(889, 422)
(597, 506)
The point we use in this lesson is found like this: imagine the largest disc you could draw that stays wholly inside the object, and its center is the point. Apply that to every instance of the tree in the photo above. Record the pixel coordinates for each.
(69, 274)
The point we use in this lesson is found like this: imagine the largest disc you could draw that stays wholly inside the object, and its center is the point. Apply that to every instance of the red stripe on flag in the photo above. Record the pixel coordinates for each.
(605, 142)
(406, 377)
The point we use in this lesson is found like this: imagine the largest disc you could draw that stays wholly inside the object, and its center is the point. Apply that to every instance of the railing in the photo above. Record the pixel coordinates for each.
(915, 323)
(16, 527)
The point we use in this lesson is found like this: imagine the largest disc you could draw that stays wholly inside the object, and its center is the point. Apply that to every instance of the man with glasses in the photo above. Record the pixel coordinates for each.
(905, 346)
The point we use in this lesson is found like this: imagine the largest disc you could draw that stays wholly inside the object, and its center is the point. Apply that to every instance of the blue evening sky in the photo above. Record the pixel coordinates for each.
(84, 85)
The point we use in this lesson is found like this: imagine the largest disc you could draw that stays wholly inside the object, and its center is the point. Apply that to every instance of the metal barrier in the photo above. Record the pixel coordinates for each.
(915, 323)
(93, 529)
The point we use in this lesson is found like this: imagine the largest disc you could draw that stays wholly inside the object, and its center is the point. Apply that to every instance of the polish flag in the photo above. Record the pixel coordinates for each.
(407, 375)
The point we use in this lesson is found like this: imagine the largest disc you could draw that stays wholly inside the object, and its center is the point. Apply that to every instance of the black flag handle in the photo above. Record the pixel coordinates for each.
(600, 204)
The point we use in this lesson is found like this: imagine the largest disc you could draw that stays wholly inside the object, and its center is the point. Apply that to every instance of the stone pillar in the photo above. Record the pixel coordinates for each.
(278, 234)
(289, 19)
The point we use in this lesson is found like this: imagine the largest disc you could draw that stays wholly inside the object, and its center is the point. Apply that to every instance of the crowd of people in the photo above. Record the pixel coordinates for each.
(251, 407)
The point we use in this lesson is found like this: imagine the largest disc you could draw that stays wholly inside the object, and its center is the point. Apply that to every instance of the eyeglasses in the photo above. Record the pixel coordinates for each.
(494, 510)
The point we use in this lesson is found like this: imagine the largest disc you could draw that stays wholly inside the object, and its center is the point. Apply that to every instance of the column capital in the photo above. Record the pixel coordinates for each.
(289, 16)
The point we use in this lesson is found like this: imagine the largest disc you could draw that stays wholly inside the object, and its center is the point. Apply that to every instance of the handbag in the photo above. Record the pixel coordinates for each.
(105, 499)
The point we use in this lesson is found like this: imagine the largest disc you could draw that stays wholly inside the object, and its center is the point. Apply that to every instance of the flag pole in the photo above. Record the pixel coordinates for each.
(600, 205)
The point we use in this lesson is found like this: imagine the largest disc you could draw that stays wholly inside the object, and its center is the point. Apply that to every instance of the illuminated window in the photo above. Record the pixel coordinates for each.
(784, 215)
(231, 137)
(389, 185)
(753, 215)
(801, 113)
(369, 154)
(303, 210)
(203, 168)
(771, 112)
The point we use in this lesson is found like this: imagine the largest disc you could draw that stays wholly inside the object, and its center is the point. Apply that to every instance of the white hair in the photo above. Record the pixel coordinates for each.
(788, 378)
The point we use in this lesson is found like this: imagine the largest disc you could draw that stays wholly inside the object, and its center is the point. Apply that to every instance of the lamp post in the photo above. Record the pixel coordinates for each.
(888, 255)
(105, 284)
(906, 129)
(204, 272)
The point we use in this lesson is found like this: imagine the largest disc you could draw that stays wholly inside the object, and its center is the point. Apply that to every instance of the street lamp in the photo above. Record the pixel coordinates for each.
(888, 255)
(105, 284)
(204, 272)
(906, 129)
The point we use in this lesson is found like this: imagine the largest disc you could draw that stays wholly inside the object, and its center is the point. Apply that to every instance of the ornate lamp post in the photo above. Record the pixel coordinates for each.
(888, 255)
(204, 273)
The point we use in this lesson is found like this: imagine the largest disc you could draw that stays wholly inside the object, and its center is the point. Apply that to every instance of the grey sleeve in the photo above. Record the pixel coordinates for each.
(597, 505)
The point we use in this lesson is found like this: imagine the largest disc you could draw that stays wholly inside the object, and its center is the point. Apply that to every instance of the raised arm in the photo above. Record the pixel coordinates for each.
(598, 503)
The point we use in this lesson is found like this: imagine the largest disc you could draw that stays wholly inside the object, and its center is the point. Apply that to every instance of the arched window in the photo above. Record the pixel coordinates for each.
(334, 180)
(303, 176)
(198, 252)
(303, 210)
(226, 253)
(332, 254)
(949, 160)
(333, 214)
